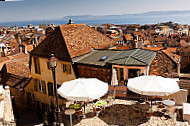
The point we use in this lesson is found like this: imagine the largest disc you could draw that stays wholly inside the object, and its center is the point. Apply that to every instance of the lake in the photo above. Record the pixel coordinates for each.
(182, 19)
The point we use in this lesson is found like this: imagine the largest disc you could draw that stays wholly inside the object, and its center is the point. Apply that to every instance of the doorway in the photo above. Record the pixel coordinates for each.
(133, 73)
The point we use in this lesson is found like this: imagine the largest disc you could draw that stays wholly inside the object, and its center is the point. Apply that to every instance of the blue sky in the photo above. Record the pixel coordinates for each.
(53, 9)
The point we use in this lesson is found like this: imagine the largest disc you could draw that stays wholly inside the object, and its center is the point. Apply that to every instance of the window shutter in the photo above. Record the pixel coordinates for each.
(39, 85)
(68, 67)
(64, 69)
(37, 65)
(43, 87)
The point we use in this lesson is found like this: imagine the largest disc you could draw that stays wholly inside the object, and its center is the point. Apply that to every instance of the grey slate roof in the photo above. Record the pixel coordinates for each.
(133, 57)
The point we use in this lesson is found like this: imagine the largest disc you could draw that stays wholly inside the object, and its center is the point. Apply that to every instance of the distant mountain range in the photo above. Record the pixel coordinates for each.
(128, 15)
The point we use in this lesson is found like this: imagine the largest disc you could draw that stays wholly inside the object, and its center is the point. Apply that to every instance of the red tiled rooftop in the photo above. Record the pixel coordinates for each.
(171, 49)
(18, 65)
(79, 39)
(174, 57)
(2, 59)
(153, 48)
(123, 47)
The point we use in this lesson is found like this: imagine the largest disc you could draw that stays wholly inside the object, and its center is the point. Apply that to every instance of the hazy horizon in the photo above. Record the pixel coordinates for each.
(27, 10)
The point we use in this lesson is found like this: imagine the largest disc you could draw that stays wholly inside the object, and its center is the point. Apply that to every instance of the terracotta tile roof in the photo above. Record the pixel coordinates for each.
(147, 42)
(174, 57)
(113, 35)
(16, 73)
(153, 48)
(186, 50)
(83, 38)
(124, 47)
(16, 81)
(183, 43)
(76, 40)
(171, 49)
(29, 48)
(2, 59)
(128, 37)
(18, 65)
(117, 39)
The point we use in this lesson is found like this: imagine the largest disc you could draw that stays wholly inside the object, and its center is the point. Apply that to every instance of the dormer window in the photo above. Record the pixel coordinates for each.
(103, 58)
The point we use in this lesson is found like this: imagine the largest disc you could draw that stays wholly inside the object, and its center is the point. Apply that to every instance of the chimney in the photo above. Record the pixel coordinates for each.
(36, 40)
(3, 53)
(25, 49)
(49, 31)
(20, 48)
(70, 21)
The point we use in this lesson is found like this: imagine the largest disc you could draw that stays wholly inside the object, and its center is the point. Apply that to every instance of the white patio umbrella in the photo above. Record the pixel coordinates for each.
(153, 85)
(114, 81)
(114, 78)
(83, 89)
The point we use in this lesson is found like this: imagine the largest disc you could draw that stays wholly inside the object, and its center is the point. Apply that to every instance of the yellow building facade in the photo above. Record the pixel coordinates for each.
(40, 89)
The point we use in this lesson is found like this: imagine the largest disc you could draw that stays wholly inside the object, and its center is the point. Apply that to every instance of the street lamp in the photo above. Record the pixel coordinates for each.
(52, 65)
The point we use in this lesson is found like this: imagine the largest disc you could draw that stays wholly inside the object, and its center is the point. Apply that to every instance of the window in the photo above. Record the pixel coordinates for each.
(37, 65)
(48, 66)
(64, 68)
(121, 75)
(39, 85)
(103, 58)
(133, 73)
(50, 89)
(67, 68)
(43, 86)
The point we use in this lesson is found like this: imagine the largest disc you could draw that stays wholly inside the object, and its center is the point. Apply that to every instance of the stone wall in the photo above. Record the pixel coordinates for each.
(102, 73)
(185, 63)
(162, 65)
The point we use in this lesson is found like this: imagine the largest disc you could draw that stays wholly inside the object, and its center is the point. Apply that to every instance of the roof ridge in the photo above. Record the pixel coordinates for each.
(130, 55)
(138, 60)
(66, 45)
(169, 54)
(63, 25)
(124, 56)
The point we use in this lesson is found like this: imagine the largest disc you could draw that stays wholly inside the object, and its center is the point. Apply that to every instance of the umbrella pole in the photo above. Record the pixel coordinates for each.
(71, 122)
(114, 92)
(151, 102)
(84, 107)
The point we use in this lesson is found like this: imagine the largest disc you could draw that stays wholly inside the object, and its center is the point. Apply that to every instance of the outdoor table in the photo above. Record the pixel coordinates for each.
(70, 112)
(169, 103)
(143, 107)
(136, 108)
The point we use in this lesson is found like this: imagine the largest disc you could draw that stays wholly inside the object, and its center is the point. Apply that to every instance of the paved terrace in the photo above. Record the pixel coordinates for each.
(120, 112)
